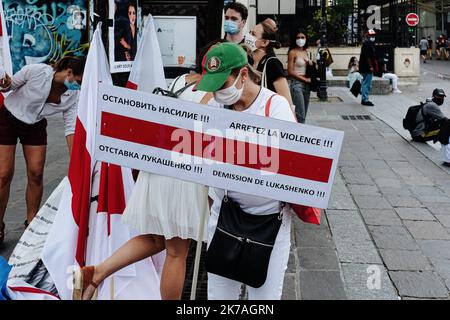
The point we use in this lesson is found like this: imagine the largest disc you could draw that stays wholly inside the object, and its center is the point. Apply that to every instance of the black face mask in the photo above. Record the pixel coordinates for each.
(438, 101)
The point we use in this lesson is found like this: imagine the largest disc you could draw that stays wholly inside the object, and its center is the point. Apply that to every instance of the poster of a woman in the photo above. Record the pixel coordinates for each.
(123, 35)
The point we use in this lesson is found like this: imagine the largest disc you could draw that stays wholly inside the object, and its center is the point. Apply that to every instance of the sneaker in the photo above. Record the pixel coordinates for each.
(396, 91)
(447, 164)
(367, 103)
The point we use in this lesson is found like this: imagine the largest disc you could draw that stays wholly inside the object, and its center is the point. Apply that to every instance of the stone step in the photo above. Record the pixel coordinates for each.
(379, 86)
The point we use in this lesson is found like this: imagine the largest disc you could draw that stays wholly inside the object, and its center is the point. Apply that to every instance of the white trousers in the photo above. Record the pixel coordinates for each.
(446, 152)
(393, 77)
(221, 288)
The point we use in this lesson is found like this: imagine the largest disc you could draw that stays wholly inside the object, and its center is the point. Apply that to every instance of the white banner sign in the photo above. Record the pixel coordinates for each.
(232, 150)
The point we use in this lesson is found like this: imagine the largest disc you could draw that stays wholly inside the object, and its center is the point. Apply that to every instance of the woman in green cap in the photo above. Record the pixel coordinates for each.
(228, 76)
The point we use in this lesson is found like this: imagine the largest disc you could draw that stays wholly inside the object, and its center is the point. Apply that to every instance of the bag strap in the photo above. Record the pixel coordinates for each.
(268, 103)
(264, 76)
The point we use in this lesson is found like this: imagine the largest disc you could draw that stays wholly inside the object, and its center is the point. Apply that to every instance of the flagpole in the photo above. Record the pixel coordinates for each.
(198, 253)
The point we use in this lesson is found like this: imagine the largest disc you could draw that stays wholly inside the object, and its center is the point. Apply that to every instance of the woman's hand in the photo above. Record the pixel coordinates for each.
(125, 44)
(5, 82)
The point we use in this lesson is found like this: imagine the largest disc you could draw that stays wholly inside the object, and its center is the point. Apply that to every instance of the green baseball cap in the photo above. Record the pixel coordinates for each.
(218, 64)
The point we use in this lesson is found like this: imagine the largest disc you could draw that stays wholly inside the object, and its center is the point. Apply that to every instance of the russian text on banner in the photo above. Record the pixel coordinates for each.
(265, 157)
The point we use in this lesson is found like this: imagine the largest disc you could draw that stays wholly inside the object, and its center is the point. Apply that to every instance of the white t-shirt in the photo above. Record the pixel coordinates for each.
(279, 109)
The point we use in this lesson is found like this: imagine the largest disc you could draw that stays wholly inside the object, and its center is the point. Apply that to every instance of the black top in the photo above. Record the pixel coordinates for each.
(367, 57)
(274, 70)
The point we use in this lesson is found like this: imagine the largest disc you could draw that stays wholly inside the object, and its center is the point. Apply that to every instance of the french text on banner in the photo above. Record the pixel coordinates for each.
(237, 151)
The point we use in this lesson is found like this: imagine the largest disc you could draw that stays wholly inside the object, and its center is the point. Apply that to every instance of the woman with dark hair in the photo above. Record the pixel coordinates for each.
(353, 71)
(261, 41)
(128, 37)
(36, 91)
(298, 62)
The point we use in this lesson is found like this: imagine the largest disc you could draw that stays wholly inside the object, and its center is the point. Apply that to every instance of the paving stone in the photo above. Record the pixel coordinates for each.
(435, 248)
(362, 283)
(388, 182)
(414, 214)
(353, 242)
(392, 237)
(402, 201)
(437, 209)
(289, 288)
(363, 190)
(381, 173)
(321, 285)
(429, 230)
(384, 217)
(418, 181)
(323, 259)
(442, 267)
(357, 178)
(292, 265)
(349, 164)
(405, 260)
(444, 219)
(315, 238)
(435, 199)
(395, 191)
(376, 164)
(371, 202)
(419, 284)
(339, 200)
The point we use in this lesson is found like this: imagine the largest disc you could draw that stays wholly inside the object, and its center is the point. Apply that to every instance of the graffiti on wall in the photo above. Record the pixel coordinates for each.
(45, 31)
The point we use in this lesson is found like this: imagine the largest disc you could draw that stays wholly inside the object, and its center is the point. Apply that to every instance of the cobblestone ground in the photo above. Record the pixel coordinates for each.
(386, 233)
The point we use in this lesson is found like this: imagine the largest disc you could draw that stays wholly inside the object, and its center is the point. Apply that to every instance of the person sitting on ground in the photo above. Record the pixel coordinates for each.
(391, 76)
(428, 120)
(353, 71)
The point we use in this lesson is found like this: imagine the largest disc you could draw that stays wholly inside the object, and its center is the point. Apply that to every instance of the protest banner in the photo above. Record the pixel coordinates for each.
(232, 150)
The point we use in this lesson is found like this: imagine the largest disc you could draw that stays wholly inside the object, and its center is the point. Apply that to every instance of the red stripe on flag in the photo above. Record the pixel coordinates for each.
(80, 183)
(131, 85)
(157, 135)
(111, 196)
(32, 290)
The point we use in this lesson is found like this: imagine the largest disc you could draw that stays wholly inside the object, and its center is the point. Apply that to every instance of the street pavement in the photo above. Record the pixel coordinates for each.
(386, 233)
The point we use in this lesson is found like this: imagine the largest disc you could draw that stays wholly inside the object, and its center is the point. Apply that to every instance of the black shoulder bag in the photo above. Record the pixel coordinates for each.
(242, 244)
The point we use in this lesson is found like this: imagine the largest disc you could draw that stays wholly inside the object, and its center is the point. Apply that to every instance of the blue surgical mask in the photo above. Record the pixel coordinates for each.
(72, 85)
(231, 27)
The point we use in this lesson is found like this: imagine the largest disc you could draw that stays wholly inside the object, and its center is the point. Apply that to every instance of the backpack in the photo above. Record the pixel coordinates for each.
(409, 122)
(170, 92)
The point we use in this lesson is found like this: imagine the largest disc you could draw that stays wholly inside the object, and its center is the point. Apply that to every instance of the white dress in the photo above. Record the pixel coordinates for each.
(167, 206)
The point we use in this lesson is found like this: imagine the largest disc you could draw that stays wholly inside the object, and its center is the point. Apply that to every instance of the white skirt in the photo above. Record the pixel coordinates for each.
(168, 207)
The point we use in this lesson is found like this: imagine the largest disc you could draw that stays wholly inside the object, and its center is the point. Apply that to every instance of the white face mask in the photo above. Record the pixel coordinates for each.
(300, 42)
(372, 39)
(230, 95)
(250, 41)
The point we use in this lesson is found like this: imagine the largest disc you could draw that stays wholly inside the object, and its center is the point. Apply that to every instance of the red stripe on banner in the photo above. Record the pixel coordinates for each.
(80, 183)
(157, 135)
(111, 196)
(131, 85)
(32, 290)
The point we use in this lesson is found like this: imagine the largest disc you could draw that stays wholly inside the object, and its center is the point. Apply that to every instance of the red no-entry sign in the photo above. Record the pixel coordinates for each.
(412, 19)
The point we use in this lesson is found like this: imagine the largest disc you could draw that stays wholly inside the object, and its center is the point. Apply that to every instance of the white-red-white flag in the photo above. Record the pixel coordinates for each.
(87, 227)
(147, 72)
(66, 244)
